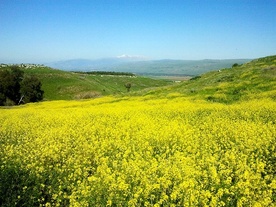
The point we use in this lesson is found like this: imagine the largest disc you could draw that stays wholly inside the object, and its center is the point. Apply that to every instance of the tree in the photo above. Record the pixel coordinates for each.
(30, 89)
(10, 83)
(128, 86)
(17, 76)
(2, 99)
(14, 86)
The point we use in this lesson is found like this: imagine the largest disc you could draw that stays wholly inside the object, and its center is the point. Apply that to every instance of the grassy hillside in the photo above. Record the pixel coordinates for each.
(61, 85)
(172, 146)
(252, 80)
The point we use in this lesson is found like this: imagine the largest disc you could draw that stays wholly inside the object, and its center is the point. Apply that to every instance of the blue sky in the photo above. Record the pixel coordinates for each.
(40, 31)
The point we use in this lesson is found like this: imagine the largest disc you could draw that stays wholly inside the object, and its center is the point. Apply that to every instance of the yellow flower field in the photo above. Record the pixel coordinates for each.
(138, 152)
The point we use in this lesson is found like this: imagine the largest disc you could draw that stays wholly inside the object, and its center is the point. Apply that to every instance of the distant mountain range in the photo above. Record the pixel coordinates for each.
(85, 64)
(140, 65)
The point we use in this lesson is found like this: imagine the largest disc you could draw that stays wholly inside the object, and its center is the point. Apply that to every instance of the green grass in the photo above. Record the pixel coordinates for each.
(252, 80)
(62, 85)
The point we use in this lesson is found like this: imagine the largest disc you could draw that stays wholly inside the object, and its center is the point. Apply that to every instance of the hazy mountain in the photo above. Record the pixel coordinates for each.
(85, 65)
(98, 64)
(140, 65)
(177, 67)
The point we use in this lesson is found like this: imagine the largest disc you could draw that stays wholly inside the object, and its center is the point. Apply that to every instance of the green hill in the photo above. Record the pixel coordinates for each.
(62, 85)
(69, 85)
(169, 146)
(252, 80)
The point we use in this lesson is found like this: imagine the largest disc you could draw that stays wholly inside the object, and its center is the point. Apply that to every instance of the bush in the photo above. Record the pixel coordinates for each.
(195, 78)
(235, 65)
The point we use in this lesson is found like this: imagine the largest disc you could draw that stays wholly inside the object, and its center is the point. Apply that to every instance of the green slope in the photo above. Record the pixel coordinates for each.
(252, 80)
(62, 85)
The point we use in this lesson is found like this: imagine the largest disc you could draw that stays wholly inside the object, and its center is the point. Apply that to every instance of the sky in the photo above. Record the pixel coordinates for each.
(40, 31)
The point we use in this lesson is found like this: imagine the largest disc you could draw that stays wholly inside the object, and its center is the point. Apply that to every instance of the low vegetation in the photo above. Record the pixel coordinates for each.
(175, 146)
(252, 80)
(138, 152)
(63, 85)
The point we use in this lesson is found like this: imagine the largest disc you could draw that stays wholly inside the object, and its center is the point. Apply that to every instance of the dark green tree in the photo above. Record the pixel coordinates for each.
(17, 76)
(30, 89)
(15, 88)
(2, 99)
(4, 79)
(10, 83)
